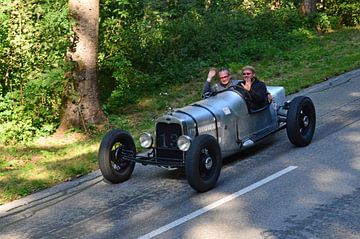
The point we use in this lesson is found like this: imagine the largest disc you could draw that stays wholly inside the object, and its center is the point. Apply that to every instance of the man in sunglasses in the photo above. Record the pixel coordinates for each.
(224, 83)
(255, 92)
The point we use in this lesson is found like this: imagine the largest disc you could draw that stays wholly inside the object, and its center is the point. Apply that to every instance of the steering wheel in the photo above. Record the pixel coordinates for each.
(208, 94)
(239, 89)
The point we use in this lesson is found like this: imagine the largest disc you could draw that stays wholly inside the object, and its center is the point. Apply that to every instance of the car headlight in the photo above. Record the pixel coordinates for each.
(146, 140)
(184, 142)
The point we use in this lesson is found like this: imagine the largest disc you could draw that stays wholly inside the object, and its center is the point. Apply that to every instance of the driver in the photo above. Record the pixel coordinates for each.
(225, 81)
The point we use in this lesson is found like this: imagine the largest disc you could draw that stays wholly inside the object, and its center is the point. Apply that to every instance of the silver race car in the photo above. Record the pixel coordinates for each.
(198, 136)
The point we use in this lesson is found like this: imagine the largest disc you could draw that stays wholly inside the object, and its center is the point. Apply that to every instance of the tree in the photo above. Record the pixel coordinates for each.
(308, 7)
(81, 105)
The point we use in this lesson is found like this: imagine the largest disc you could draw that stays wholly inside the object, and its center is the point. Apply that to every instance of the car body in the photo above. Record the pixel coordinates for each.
(198, 136)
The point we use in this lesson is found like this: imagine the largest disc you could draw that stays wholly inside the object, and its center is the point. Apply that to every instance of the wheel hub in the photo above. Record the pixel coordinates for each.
(306, 121)
(208, 163)
(118, 154)
(118, 160)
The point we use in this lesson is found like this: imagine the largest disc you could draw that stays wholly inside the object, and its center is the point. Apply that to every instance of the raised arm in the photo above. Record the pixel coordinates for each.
(207, 85)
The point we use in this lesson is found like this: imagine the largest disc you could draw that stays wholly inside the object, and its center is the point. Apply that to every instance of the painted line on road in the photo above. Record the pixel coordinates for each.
(217, 203)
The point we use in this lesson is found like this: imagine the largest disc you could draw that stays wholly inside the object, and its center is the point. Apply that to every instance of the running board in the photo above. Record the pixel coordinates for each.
(248, 142)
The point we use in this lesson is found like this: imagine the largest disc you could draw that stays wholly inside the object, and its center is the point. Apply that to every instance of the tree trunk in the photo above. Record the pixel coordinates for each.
(307, 7)
(81, 105)
(275, 4)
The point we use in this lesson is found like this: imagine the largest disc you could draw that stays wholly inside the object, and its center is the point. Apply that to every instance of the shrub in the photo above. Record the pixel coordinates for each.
(347, 12)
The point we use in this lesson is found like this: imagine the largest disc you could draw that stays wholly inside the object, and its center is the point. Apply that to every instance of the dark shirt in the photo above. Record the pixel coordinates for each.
(256, 98)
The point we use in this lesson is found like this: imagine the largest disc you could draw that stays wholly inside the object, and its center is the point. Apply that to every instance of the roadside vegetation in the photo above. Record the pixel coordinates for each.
(151, 58)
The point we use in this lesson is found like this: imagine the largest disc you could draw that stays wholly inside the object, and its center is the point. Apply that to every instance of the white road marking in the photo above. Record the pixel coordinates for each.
(217, 203)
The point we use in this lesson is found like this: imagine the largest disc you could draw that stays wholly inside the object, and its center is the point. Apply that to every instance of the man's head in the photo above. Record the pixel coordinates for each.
(224, 76)
(248, 72)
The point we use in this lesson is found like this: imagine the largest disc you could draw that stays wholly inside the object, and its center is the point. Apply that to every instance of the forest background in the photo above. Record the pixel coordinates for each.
(152, 55)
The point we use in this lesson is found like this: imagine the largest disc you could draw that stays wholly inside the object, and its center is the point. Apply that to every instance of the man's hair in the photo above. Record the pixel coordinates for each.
(225, 69)
(251, 68)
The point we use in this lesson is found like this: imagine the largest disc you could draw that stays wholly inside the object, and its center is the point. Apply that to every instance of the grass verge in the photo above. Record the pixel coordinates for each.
(25, 169)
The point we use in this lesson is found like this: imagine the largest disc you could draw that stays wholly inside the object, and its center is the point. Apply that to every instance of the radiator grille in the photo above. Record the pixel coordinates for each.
(166, 141)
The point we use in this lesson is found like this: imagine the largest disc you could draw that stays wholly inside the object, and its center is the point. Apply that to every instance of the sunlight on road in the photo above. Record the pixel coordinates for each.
(215, 231)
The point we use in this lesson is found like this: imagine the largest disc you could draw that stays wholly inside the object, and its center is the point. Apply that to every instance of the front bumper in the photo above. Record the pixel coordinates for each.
(151, 158)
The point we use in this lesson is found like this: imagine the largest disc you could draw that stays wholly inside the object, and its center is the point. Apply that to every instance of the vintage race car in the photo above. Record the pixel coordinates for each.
(198, 136)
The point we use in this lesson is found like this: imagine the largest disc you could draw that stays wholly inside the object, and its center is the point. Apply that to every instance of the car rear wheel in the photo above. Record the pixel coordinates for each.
(203, 163)
(300, 122)
(115, 144)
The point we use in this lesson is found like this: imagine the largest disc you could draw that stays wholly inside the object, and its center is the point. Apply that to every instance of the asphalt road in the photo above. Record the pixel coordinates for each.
(273, 190)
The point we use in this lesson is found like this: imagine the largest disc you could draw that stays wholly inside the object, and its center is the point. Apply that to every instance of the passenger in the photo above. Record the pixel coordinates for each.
(255, 92)
(225, 81)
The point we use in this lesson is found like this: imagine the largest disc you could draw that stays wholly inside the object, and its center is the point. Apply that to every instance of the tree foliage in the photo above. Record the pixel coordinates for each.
(347, 11)
(143, 46)
(34, 38)
(155, 43)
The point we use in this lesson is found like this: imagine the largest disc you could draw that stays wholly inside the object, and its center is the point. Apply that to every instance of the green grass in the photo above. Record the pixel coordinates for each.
(46, 162)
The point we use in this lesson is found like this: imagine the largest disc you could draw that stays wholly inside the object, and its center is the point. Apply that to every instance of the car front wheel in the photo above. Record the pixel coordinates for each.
(203, 163)
(115, 144)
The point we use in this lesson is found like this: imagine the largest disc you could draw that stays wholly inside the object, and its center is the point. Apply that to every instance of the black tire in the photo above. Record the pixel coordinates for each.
(203, 163)
(300, 122)
(112, 166)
